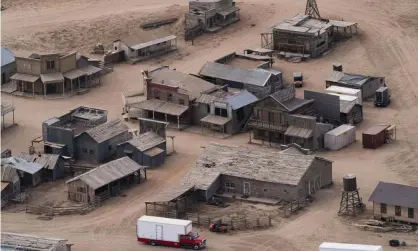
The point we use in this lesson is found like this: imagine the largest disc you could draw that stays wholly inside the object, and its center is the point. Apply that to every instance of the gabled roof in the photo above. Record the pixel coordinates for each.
(8, 174)
(107, 130)
(236, 99)
(48, 161)
(247, 163)
(286, 98)
(235, 74)
(21, 165)
(395, 195)
(7, 57)
(108, 172)
(348, 78)
(146, 141)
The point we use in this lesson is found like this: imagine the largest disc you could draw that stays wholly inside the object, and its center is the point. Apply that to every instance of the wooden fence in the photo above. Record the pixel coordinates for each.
(234, 223)
(51, 211)
(294, 206)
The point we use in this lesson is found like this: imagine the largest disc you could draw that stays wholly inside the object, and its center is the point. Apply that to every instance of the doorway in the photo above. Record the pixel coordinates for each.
(247, 188)
(51, 88)
(159, 233)
(3, 78)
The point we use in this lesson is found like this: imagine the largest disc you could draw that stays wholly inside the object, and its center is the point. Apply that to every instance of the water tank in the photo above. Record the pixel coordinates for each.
(337, 67)
(349, 183)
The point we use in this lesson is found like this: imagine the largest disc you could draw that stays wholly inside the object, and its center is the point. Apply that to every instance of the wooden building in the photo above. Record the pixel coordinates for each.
(305, 36)
(8, 65)
(25, 242)
(233, 170)
(105, 181)
(7, 107)
(260, 82)
(397, 202)
(171, 96)
(52, 164)
(147, 149)
(134, 52)
(30, 173)
(248, 61)
(10, 183)
(50, 74)
(224, 110)
(98, 144)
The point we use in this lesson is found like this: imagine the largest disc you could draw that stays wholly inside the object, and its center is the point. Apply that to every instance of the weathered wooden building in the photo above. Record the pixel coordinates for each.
(171, 96)
(10, 183)
(50, 74)
(397, 202)
(105, 181)
(132, 51)
(305, 36)
(30, 173)
(260, 82)
(367, 84)
(58, 133)
(147, 149)
(209, 16)
(248, 61)
(8, 65)
(224, 110)
(52, 164)
(235, 170)
(98, 144)
(24, 242)
(7, 107)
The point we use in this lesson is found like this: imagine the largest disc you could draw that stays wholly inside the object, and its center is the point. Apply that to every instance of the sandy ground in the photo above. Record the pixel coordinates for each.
(386, 45)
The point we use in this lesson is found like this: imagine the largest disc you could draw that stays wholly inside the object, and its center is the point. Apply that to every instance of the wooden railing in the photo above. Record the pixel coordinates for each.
(233, 222)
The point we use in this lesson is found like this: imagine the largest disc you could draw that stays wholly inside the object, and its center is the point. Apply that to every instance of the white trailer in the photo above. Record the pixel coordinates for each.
(345, 91)
(332, 246)
(340, 137)
(347, 98)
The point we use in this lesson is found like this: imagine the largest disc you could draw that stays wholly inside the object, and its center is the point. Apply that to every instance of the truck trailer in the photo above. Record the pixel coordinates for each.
(168, 232)
(332, 246)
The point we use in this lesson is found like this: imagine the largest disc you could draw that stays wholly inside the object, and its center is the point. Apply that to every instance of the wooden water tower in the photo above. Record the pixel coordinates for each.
(351, 203)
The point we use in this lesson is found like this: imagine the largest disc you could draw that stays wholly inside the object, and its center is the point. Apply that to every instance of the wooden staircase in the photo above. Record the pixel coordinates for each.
(106, 68)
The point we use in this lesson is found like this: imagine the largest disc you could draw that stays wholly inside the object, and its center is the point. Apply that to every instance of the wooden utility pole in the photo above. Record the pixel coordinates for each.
(312, 9)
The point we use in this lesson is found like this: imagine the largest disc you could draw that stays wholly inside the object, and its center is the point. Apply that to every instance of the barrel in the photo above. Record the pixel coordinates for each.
(350, 183)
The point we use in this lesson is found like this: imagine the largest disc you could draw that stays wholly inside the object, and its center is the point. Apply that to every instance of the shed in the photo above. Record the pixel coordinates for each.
(177, 197)
(99, 144)
(8, 65)
(104, 181)
(340, 137)
(52, 164)
(10, 177)
(148, 149)
(375, 136)
(30, 173)
(15, 241)
(332, 246)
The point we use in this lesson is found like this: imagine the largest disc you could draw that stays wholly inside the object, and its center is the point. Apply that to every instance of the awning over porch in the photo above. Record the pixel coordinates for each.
(24, 77)
(153, 151)
(90, 69)
(74, 73)
(156, 105)
(54, 77)
(299, 132)
(170, 193)
(216, 120)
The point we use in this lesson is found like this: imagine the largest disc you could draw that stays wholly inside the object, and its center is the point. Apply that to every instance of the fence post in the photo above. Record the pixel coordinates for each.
(198, 219)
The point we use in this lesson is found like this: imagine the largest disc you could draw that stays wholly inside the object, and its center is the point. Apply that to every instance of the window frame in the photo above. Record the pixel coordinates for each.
(383, 208)
(398, 211)
(411, 215)
(181, 101)
(50, 64)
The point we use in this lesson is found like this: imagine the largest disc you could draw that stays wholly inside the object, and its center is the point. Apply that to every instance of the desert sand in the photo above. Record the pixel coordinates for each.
(387, 45)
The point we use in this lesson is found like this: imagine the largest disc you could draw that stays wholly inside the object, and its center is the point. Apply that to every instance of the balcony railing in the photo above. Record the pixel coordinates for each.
(259, 124)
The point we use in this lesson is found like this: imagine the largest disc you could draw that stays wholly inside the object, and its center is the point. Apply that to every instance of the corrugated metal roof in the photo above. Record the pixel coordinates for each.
(21, 164)
(335, 76)
(7, 57)
(103, 132)
(48, 161)
(54, 77)
(216, 120)
(235, 74)
(295, 103)
(395, 195)
(153, 42)
(146, 141)
(6, 107)
(300, 132)
(90, 69)
(304, 24)
(354, 79)
(74, 73)
(24, 77)
(8, 174)
(340, 130)
(153, 151)
(108, 172)
(161, 106)
(345, 106)
(170, 193)
(241, 99)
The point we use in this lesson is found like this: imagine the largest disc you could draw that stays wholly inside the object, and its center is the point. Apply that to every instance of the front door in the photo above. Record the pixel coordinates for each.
(159, 234)
(247, 188)
(3, 78)
(51, 88)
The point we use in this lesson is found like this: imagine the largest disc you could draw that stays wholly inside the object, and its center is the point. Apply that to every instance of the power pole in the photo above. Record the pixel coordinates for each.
(312, 9)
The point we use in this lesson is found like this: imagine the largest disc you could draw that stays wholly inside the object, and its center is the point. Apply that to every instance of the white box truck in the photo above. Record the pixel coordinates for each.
(347, 98)
(332, 246)
(345, 91)
(168, 232)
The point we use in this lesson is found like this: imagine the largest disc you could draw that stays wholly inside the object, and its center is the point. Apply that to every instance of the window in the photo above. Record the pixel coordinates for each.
(116, 48)
(271, 117)
(398, 211)
(81, 190)
(91, 152)
(156, 94)
(221, 112)
(383, 209)
(50, 64)
(265, 189)
(84, 150)
(181, 101)
(410, 213)
(208, 107)
(170, 97)
(229, 185)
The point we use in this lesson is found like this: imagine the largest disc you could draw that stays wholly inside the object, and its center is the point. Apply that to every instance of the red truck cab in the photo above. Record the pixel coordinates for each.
(192, 240)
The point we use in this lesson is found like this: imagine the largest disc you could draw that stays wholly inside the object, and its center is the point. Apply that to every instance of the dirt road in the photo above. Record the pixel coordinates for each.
(386, 45)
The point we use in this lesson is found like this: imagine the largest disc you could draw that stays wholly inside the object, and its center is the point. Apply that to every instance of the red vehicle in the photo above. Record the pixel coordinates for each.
(168, 232)
(218, 227)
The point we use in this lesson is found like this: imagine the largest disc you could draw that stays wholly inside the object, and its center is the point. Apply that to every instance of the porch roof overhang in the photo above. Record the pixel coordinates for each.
(300, 132)
(54, 77)
(74, 73)
(90, 69)
(156, 105)
(216, 120)
(25, 77)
